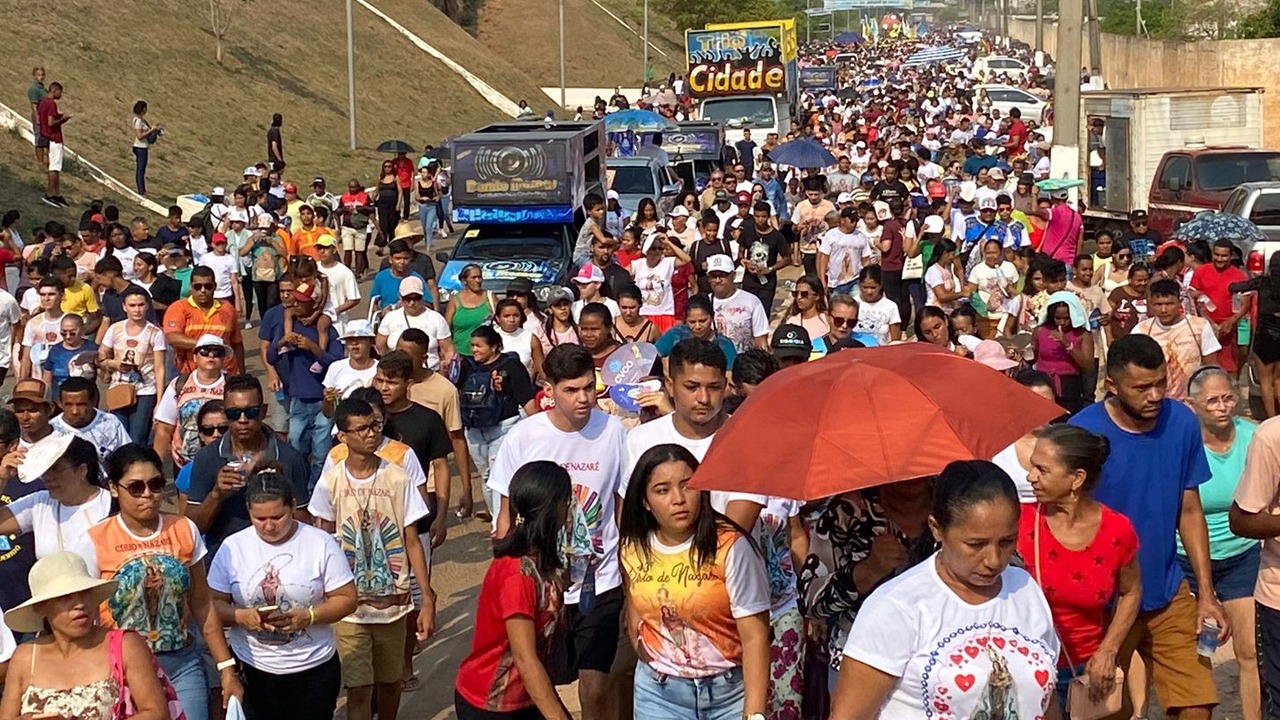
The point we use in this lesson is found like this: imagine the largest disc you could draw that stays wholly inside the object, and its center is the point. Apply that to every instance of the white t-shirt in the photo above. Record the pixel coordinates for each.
(614, 310)
(293, 574)
(342, 288)
(167, 407)
(10, 314)
(7, 643)
(411, 466)
(126, 256)
(58, 527)
(41, 333)
(661, 431)
(346, 379)
(226, 270)
(519, 342)
(996, 285)
(30, 301)
(741, 318)
(656, 295)
(105, 432)
(938, 275)
(595, 458)
(430, 322)
(199, 247)
(415, 508)
(144, 345)
(875, 318)
(949, 654)
(1007, 460)
(847, 251)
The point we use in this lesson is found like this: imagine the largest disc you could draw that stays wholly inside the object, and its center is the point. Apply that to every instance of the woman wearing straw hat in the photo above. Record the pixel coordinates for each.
(76, 669)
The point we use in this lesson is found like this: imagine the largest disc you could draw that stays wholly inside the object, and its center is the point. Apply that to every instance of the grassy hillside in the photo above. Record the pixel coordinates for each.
(22, 185)
(287, 56)
(598, 51)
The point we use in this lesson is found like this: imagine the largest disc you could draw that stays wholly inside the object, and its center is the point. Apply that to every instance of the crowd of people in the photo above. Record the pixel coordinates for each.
(1087, 570)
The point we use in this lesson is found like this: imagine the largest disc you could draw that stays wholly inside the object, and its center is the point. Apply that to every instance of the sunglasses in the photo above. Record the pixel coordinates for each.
(204, 286)
(211, 352)
(411, 298)
(800, 293)
(843, 322)
(212, 429)
(156, 485)
(249, 413)
(1123, 256)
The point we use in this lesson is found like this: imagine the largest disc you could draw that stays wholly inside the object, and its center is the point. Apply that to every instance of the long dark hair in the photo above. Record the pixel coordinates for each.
(82, 452)
(637, 522)
(539, 497)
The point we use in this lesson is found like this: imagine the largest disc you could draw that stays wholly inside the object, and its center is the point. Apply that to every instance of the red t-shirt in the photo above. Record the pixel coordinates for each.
(46, 113)
(488, 678)
(680, 287)
(404, 171)
(1213, 282)
(1079, 584)
(626, 257)
(1017, 135)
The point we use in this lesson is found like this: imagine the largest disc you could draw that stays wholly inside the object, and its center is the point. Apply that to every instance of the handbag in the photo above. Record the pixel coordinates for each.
(1079, 705)
(121, 396)
(913, 267)
(124, 707)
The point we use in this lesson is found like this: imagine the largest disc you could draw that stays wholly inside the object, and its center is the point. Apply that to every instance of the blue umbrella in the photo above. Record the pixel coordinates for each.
(640, 121)
(1213, 225)
(803, 153)
(931, 55)
(849, 38)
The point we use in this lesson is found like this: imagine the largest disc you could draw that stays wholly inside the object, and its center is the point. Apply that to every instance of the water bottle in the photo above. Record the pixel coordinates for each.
(1208, 304)
(1207, 640)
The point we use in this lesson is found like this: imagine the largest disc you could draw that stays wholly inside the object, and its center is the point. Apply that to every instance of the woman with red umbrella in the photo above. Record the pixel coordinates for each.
(963, 633)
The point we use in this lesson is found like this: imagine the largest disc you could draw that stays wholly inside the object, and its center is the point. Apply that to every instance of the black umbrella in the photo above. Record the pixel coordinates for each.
(395, 146)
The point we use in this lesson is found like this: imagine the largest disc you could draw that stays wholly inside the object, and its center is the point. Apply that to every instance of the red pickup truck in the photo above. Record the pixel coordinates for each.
(1193, 180)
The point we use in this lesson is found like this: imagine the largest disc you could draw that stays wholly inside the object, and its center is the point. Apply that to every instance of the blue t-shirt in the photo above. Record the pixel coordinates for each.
(1144, 479)
(387, 286)
(677, 333)
(60, 359)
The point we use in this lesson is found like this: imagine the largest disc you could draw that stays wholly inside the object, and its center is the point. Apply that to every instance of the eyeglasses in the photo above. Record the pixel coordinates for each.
(214, 429)
(210, 351)
(717, 179)
(137, 489)
(801, 293)
(843, 322)
(249, 413)
(204, 286)
(368, 430)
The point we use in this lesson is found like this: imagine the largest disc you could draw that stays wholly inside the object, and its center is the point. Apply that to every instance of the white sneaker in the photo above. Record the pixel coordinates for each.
(248, 324)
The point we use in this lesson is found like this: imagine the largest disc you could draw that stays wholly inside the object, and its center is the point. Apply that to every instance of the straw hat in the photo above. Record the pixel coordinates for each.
(56, 576)
(410, 230)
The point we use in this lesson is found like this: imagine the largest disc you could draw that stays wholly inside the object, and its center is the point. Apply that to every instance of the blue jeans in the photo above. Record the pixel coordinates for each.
(427, 212)
(140, 175)
(482, 445)
(309, 433)
(663, 697)
(185, 669)
(137, 419)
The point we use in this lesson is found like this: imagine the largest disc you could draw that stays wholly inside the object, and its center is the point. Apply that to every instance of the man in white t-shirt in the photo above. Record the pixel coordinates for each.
(413, 312)
(344, 291)
(591, 445)
(739, 315)
(78, 398)
(842, 253)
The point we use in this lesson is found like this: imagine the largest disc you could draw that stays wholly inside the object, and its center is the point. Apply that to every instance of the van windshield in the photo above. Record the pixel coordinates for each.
(1224, 171)
(741, 112)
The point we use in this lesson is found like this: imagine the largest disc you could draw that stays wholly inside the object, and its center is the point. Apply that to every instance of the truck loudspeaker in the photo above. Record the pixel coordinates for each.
(511, 162)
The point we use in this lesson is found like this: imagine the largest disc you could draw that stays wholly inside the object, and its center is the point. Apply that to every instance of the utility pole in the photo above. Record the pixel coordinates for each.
(1040, 25)
(563, 103)
(1095, 41)
(1065, 157)
(645, 74)
(351, 76)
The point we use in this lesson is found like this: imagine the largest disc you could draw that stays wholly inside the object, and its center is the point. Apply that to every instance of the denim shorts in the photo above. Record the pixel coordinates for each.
(1233, 577)
(666, 697)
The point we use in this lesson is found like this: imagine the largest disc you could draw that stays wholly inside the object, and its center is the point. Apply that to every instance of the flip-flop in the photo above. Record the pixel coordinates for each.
(484, 516)
(413, 683)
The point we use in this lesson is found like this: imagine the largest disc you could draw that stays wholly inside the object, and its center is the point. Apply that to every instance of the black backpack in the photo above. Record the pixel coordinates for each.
(481, 405)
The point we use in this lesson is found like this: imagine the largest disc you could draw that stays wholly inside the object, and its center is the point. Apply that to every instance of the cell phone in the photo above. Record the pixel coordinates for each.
(267, 611)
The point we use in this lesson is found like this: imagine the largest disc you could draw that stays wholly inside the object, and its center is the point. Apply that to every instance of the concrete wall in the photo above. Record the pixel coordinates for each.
(1132, 62)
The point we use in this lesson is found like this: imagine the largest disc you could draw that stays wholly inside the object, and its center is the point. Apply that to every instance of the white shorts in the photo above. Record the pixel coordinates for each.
(55, 157)
(354, 240)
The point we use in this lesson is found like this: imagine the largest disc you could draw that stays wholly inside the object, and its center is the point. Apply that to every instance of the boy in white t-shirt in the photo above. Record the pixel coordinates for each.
(226, 271)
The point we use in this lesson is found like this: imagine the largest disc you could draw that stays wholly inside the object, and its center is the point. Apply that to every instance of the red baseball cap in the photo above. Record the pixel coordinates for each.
(744, 197)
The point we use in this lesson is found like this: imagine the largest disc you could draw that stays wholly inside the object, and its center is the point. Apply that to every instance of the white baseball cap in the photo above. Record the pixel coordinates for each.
(589, 273)
(678, 211)
(932, 224)
(844, 197)
(210, 340)
(720, 263)
(251, 170)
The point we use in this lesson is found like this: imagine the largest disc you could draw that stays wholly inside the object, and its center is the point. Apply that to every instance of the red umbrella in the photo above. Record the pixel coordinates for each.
(866, 417)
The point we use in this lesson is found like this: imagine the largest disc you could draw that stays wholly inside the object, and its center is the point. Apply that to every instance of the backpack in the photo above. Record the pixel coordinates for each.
(480, 404)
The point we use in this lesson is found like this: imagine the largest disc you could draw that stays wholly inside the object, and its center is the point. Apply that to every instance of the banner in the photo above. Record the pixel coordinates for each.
(736, 62)
(818, 78)
(511, 173)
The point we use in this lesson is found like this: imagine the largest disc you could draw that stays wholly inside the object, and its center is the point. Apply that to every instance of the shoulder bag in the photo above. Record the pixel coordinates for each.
(1079, 705)
(124, 707)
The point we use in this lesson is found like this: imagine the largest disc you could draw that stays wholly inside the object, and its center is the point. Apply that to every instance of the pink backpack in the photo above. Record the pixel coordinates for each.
(124, 707)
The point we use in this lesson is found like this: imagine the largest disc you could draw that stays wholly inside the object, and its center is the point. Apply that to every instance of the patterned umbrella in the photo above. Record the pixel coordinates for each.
(932, 55)
(1213, 225)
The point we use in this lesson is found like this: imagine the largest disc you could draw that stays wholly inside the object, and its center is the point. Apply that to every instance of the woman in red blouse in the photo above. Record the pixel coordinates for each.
(1087, 555)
